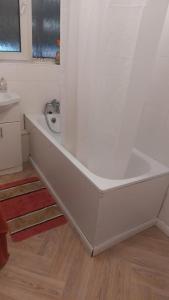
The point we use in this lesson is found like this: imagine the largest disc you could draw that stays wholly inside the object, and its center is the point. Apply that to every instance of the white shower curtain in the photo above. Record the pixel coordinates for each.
(109, 54)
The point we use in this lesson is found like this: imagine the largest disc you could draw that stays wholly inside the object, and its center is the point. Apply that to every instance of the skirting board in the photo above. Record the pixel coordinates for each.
(66, 212)
(123, 236)
(11, 170)
(163, 227)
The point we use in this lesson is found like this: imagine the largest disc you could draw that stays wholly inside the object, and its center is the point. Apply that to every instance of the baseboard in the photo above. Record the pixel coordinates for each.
(11, 170)
(163, 227)
(86, 243)
(121, 237)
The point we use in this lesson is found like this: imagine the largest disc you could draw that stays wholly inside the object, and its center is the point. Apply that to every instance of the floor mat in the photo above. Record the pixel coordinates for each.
(28, 208)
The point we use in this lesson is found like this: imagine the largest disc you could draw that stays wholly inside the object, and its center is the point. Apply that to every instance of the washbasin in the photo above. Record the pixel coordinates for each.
(8, 98)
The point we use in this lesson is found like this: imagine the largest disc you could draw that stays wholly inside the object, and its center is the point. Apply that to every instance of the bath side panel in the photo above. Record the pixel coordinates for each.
(128, 208)
(77, 193)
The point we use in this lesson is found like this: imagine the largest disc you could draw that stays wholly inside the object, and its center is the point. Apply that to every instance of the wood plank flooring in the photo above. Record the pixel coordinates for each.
(55, 266)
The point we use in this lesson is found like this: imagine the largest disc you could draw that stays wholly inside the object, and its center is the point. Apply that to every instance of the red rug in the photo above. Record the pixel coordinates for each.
(28, 208)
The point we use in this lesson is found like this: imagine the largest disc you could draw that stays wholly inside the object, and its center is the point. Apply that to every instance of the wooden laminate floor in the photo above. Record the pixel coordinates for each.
(55, 266)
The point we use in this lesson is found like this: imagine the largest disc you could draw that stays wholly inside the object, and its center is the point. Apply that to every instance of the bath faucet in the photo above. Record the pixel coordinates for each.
(52, 115)
(52, 107)
(56, 104)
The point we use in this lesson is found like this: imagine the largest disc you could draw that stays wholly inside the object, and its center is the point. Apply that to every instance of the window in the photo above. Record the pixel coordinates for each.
(15, 34)
(10, 26)
(46, 28)
(30, 29)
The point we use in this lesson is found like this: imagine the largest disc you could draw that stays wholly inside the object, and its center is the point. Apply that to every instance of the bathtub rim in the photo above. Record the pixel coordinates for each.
(103, 184)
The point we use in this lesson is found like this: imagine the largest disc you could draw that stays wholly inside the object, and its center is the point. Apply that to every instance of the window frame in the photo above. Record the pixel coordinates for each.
(25, 34)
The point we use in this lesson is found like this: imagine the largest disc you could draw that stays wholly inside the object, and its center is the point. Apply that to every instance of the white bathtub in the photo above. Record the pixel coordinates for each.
(103, 211)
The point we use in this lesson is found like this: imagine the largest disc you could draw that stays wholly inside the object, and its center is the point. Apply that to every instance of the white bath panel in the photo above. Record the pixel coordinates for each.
(88, 246)
(103, 211)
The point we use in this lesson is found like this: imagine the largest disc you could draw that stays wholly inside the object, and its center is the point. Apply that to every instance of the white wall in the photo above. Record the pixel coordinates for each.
(153, 135)
(35, 83)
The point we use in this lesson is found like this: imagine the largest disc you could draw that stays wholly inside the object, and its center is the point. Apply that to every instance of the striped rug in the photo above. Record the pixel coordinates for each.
(28, 208)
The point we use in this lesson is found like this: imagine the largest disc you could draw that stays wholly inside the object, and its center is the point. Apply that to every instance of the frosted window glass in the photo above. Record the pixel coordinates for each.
(46, 28)
(9, 26)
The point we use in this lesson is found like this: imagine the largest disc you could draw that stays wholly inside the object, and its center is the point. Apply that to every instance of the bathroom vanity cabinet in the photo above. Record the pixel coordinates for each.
(10, 139)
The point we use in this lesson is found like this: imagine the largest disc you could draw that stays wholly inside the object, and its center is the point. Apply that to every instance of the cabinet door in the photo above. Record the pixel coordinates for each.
(10, 145)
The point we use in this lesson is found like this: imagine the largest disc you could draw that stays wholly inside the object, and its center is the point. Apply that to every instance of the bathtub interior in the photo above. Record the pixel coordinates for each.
(137, 166)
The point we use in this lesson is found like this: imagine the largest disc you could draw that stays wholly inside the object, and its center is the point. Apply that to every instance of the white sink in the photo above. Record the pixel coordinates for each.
(7, 99)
